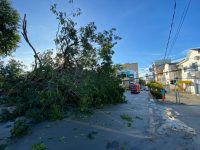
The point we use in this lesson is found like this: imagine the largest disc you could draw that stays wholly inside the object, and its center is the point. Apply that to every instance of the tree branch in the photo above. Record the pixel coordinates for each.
(24, 33)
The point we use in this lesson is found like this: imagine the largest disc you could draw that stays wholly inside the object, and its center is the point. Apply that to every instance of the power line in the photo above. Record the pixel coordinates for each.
(170, 32)
(183, 16)
(179, 26)
(171, 27)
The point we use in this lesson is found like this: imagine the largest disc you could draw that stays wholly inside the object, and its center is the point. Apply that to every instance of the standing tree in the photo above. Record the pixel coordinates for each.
(9, 36)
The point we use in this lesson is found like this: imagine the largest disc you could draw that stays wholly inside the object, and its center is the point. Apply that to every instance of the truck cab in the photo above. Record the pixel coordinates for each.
(134, 88)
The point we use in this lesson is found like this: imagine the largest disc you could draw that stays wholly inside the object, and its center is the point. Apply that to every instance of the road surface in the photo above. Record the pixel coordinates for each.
(106, 130)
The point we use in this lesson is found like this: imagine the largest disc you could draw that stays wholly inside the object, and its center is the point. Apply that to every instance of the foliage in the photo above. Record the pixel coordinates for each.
(92, 135)
(9, 36)
(155, 89)
(118, 67)
(6, 115)
(129, 124)
(10, 75)
(3, 146)
(155, 86)
(20, 128)
(142, 82)
(79, 75)
(39, 146)
(126, 117)
(156, 94)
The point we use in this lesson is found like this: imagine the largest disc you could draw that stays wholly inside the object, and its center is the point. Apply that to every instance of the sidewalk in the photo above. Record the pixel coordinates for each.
(187, 99)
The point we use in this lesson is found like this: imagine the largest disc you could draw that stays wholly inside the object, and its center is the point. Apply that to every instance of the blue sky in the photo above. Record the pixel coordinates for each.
(143, 25)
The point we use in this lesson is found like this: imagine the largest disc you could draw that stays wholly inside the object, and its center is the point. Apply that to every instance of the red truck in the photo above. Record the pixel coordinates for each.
(134, 88)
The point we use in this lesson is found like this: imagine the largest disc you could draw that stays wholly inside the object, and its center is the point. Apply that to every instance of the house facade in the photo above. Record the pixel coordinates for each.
(190, 71)
(170, 72)
(186, 72)
(158, 68)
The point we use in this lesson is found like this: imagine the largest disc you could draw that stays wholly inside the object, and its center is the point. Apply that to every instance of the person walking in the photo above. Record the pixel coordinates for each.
(163, 94)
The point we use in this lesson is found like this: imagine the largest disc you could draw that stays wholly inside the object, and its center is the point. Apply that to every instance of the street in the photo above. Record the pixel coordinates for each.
(106, 128)
(99, 75)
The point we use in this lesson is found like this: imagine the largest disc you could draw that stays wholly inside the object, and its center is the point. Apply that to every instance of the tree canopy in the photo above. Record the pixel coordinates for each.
(9, 19)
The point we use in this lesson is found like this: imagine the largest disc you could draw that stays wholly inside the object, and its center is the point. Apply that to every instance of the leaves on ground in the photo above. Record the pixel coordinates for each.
(3, 146)
(48, 126)
(129, 124)
(62, 139)
(92, 135)
(112, 145)
(107, 113)
(126, 118)
(75, 129)
(50, 138)
(39, 146)
(20, 128)
(138, 117)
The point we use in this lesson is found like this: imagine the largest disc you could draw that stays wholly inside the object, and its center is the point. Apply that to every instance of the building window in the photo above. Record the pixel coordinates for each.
(185, 69)
(196, 57)
(194, 67)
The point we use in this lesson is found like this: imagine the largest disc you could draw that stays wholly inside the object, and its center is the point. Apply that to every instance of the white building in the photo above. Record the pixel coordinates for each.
(170, 72)
(190, 71)
(157, 69)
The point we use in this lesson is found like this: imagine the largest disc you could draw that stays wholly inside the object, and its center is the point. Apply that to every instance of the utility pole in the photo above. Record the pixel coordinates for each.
(176, 94)
(175, 89)
(179, 99)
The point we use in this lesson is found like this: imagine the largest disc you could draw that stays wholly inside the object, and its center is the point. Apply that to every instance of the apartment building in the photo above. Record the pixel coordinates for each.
(170, 72)
(190, 71)
(158, 68)
(187, 72)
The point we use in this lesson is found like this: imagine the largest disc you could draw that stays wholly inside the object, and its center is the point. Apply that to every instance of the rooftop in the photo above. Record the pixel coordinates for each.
(196, 49)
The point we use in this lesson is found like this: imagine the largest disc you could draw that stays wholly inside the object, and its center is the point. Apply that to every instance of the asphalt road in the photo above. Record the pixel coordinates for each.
(106, 130)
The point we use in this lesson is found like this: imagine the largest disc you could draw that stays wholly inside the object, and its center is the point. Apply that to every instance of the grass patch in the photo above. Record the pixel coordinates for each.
(126, 118)
(39, 146)
(92, 135)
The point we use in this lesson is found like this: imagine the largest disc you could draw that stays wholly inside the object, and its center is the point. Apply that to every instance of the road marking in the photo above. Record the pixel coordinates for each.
(135, 135)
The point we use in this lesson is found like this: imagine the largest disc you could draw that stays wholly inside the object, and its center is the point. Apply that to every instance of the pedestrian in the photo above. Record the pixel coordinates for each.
(163, 91)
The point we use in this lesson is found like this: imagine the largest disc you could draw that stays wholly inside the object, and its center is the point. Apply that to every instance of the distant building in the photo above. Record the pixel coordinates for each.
(170, 72)
(132, 67)
(129, 73)
(158, 67)
(148, 78)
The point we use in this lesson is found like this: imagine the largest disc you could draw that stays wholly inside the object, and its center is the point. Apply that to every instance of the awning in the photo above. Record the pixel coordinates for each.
(185, 82)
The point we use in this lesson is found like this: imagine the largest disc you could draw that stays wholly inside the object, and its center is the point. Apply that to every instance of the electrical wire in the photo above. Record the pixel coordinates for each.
(170, 32)
(183, 16)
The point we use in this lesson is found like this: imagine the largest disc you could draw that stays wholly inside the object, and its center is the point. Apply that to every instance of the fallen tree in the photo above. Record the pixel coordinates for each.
(80, 75)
